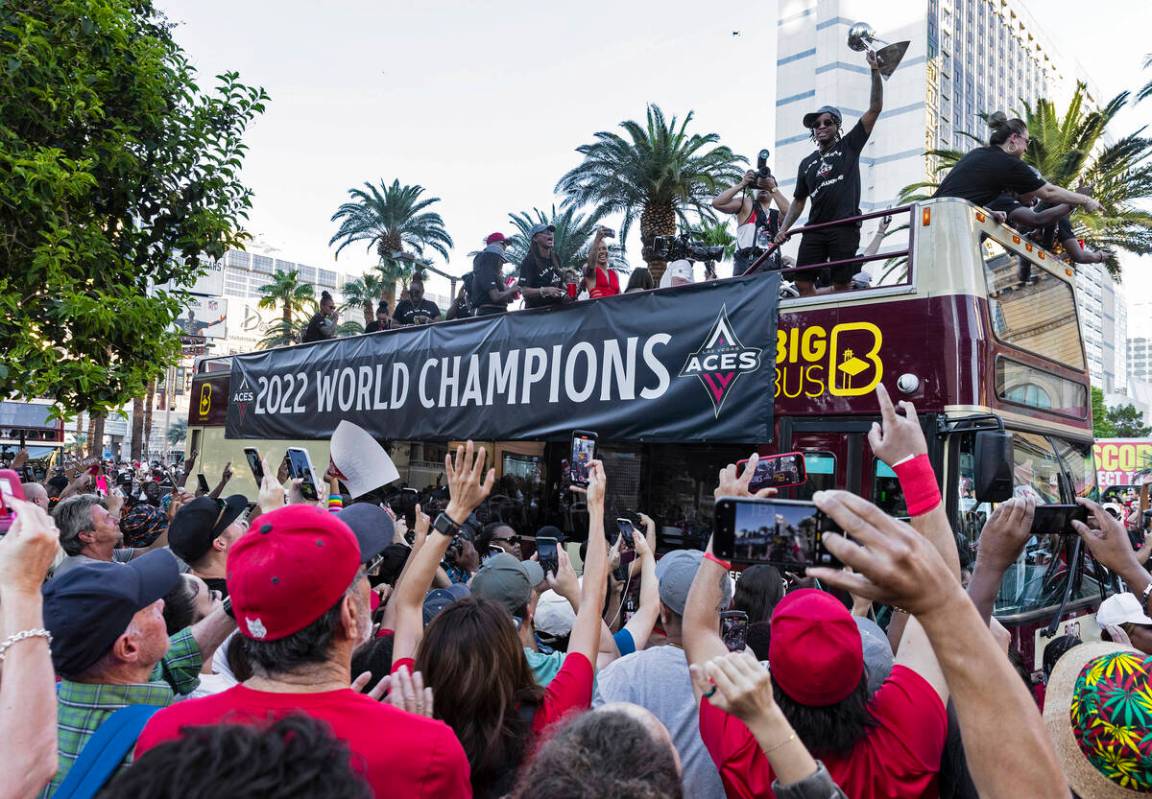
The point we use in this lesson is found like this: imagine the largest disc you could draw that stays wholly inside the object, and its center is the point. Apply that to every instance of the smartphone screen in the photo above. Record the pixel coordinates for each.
(300, 465)
(583, 452)
(1057, 519)
(785, 533)
(734, 629)
(252, 455)
(626, 532)
(202, 481)
(546, 555)
(776, 471)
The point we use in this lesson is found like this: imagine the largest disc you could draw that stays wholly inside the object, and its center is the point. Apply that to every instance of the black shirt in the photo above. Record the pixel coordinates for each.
(486, 275)
(407, 312)
(374, 327)
(320, 328)
(985, 173)
(832, 178)
(536, 273)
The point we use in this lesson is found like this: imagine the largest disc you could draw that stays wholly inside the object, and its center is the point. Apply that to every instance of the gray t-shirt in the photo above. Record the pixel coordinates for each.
(72, 561)
(658, 679)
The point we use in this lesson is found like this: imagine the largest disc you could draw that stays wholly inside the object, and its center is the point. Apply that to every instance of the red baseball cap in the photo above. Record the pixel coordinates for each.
(816, 653)
(289, 569)
(495, 237)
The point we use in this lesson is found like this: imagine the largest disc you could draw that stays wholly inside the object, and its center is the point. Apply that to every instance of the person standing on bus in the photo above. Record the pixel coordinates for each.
(323, 323)
(491, 294)
(416, 310)
(600, 278)
(831, 178)
(757, 222)
(987, 172)
(541, 275)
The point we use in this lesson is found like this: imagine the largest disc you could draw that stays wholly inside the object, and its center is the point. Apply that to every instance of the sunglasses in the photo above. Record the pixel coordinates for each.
(512, 539)
(825, 123)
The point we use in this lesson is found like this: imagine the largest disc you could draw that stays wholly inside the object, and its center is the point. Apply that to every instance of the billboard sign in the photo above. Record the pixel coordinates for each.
(1122, 461)
(205, 318)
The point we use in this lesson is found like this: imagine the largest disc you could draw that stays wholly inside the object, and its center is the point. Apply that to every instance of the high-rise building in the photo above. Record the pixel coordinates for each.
(1103, 325)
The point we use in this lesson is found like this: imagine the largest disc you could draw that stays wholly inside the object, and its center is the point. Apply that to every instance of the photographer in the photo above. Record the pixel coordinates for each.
(541, 277)
(757, 223)
(491, 296)
(600, 278)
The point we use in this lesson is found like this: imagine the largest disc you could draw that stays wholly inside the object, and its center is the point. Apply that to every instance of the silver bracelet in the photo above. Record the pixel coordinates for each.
(36, 632)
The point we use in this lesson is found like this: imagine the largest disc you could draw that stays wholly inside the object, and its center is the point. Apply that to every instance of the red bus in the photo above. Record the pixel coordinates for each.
(967, 319)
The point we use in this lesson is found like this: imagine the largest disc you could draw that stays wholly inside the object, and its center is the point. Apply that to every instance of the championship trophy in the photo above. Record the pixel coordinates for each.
(861, 36)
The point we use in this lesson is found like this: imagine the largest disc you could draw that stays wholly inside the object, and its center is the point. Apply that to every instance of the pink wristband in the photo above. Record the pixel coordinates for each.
(918, 482)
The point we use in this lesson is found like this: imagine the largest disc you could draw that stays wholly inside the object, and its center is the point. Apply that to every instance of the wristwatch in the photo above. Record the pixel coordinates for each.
(445, 526)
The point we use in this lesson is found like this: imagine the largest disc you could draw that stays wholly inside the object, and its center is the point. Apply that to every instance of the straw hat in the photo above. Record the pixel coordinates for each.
(1098, 710)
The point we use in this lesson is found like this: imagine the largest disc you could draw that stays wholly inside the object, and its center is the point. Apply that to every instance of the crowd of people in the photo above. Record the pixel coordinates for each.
(196, 644)
(829, 258)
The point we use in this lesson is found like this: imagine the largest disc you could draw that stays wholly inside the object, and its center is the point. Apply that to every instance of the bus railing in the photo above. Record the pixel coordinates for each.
(759, 263)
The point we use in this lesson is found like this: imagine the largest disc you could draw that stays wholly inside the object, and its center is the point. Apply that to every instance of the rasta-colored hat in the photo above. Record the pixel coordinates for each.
(1098, 709)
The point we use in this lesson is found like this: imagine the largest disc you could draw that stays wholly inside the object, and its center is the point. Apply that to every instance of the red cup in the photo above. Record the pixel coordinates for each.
(572, 290)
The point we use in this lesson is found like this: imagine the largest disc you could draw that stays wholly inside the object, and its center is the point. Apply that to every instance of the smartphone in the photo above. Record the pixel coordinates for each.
(252, 455)
(776, 471)
(546, 555)
(582, 453)
(788, 534)
(300, 465)
(734, 630)
(202, 482)
(9, 487)
(626, 532)
(1058, 519)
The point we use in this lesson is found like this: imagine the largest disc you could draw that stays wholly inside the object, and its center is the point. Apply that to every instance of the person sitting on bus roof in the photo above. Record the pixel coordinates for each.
(987, 172)
(831, 178)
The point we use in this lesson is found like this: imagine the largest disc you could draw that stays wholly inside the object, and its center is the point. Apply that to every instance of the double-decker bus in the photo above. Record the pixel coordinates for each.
(28, 424)
(969, 320)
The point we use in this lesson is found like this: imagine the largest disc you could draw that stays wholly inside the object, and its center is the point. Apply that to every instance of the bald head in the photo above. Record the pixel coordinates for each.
(36, 494)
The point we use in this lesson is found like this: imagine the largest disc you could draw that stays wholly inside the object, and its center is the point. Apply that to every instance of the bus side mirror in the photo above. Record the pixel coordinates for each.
(993, 482)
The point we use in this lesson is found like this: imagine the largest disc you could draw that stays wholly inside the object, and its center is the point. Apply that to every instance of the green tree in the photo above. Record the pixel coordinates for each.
(1127, 422)
(118, 174)
(1101, 425)
(363, 293)
(570, 242)
(1069, 149)
(657, 172)
(394, 221)
(294, 299)
(177, 432)
(715, 234)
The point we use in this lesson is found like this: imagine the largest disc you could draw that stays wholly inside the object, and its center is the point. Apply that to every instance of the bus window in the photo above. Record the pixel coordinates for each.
(1035, 469)
(886, 493)
(1037, 388)
(821, 469)
(1029, 307)
(1078, 465)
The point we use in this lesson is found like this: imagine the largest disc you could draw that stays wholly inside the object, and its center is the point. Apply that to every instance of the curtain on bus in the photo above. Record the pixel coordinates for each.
(693, 363)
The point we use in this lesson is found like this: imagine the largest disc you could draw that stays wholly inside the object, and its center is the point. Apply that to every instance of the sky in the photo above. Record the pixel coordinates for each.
(484, 104)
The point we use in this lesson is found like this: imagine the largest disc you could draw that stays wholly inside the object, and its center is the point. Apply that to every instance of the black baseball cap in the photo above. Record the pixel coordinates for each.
(200, 522)
(88, 607)
(372, 527)
(833, 111)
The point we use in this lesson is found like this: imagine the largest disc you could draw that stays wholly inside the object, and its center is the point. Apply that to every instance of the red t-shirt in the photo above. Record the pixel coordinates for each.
(898, 759)
(570, 691)
(607, 284)
(400, 754)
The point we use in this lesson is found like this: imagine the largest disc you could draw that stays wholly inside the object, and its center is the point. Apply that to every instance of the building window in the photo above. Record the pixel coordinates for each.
(263, 264)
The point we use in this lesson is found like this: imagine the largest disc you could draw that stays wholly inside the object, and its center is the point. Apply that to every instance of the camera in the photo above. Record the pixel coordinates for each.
(762, 170)
(676, 248)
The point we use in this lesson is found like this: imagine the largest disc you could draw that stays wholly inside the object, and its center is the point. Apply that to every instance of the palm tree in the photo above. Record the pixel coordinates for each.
(393, 221)
(177, 431)
(573, 237)
(1069, 150)
(293, 298)
(1145, 91)
(715, 234)
(364, 292)
(659, 173)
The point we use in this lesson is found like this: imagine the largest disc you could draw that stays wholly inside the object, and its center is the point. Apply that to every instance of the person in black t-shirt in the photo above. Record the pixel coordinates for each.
(988, 172)
(541, 277)
(757, 223)
(323, 323)
(489, 293)
(830, 177)
(416, 310)
(382, 321)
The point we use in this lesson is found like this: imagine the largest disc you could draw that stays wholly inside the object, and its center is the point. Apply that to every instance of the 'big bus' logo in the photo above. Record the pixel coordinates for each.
(205, 400)
(844, 362)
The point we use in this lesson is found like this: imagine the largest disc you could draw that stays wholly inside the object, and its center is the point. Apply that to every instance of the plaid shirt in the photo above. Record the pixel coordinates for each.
(83, 707)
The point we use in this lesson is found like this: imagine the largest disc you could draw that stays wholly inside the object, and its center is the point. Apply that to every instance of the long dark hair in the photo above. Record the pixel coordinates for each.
(832, 730)
(758, 590)
(1003, 128)
(474, 662)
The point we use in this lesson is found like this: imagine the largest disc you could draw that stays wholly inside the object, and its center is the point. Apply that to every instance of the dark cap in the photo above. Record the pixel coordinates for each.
(372, 527)
(439, 598)
(88, 607)
(508, 581)
(810, 118)
(548, 531)
(200, 522)
(535, 230)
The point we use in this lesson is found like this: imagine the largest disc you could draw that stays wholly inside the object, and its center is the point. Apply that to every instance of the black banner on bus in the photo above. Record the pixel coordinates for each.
(695, 363)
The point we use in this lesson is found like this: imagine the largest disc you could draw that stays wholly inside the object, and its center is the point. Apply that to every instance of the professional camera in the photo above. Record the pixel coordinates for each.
(676, 248)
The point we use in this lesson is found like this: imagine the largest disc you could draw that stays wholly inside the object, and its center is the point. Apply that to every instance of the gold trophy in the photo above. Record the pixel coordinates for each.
(862, 36)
